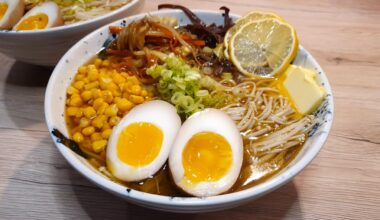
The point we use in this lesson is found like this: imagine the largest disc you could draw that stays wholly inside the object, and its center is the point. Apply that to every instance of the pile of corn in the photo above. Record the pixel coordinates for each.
(97, 99)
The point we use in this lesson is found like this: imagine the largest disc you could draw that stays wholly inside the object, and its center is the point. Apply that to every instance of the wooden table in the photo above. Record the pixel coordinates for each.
(343, 182)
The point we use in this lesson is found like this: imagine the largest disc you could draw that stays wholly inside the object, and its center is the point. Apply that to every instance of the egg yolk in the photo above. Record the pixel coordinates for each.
(207, 157)
(139, 144)
(3, 9)
(33, 22)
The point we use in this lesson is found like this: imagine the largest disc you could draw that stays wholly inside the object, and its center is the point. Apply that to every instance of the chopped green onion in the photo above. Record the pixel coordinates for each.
(183, 86)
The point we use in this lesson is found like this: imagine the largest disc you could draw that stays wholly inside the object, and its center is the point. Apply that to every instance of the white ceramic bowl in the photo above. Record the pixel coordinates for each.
(86, 48)
(46, 47)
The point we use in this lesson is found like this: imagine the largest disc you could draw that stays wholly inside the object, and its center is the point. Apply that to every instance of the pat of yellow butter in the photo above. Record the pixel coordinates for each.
(301, 85)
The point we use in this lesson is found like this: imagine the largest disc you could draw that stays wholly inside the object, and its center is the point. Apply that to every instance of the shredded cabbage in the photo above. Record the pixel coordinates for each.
(183, 86)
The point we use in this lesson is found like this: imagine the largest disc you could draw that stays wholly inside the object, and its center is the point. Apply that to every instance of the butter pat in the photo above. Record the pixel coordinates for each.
(301, 86)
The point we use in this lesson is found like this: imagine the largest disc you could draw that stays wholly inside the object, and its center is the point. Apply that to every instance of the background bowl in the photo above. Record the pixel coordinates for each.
(86, 48)
(46, 47)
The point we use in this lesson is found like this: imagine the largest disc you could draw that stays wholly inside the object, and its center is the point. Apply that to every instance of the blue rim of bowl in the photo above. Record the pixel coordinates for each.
(75, 25)
(159, 200)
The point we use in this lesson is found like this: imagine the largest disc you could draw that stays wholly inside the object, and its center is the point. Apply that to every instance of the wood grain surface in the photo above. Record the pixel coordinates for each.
(343, 182)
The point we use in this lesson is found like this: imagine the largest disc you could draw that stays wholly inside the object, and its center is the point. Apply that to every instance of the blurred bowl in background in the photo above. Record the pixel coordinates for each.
(46, 47)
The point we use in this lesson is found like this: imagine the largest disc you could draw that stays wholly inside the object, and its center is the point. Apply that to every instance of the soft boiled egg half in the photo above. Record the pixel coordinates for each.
(207, 154)
(43, 16)
(140, 144)
(10, 12)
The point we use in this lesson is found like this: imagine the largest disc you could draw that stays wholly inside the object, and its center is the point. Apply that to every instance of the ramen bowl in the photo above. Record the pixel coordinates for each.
(85, 50)
(46, 47)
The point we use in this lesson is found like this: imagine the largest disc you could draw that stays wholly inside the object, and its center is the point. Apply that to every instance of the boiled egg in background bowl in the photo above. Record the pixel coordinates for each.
(140, 144)
(43, 16)
(207, 154)
(11, 11)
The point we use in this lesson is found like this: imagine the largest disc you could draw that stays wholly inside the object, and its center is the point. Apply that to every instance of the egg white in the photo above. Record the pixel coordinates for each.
(13, 14)
(211, 120)
(162, 115)
(51, 9)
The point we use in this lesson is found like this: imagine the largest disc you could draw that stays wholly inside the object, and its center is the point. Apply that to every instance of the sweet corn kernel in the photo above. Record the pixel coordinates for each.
(96, 93)
(137, 99)
(124, 105)
(116, 93)
(104, 81)
(124, 74)
(106, 133)
(71, 90)
(136, 89)
(118, 79)
(127, 86)
(110, 72)
(105, 63)
(89, 112)
(112, 86)
(107, 96)
(84, 122)
(111, 110)
(86, 95)
(99, 121)
(75, 95)
(103, 71)
(102, 108)
(87, 131)
(97, 62)
(82, 70)
(93, 74)
(78, 84)
(78, 137)
(106, 126)
(90, 66)
(144, 93)
(72, 111)
(99, 145)
(134, 80)
(121, 86)
(75, 101)
(79, 77)
(91, 85)
(79, 114)
(96, 136)
(147, 99)
(117, 99)
(97, 103)
(114, 120)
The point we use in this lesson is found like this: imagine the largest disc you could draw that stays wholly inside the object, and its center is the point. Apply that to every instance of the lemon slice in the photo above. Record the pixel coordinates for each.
(252, 16)
(264, 47)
